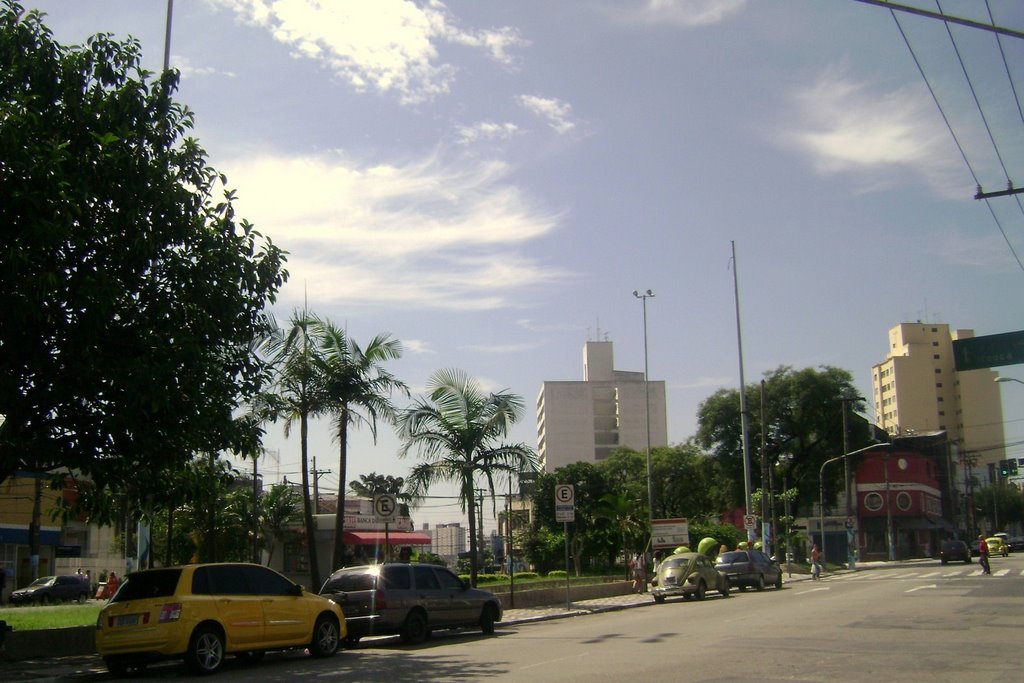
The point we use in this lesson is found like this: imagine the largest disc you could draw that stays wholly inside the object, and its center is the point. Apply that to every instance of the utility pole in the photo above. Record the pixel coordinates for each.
(316, 487)
(480, 525)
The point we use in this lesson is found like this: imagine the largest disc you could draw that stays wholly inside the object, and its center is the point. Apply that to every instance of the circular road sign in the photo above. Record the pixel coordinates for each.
(385, 507)
(564, 494)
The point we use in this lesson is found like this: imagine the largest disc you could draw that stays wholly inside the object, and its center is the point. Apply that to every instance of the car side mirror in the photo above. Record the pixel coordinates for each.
(297, 590)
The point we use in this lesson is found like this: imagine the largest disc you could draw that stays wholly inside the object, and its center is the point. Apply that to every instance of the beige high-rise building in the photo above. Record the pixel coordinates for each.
(585, 421)
(918, 389)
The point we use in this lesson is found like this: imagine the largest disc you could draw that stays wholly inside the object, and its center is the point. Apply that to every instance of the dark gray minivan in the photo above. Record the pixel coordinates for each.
(408, 599)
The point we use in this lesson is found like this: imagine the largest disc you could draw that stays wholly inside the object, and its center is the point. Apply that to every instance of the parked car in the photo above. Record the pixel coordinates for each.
(954, 549)
(409, 600)
(996, 546)
(50, 589)
(1015, 544)
(1006, 538)
(749, 568)
(202, 612)
(690, 575)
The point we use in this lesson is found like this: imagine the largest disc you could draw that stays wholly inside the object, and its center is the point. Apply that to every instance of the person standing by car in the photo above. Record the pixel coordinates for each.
(983, 555)
(815, 562)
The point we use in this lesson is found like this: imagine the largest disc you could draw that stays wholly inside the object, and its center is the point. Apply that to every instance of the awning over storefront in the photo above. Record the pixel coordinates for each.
(393, 538)
(922, 523)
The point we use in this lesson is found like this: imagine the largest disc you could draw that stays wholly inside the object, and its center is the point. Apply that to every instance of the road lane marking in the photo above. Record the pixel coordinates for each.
(918, 588)
(1002, 572)
(929, 575)
(976, 572)
(812, 590)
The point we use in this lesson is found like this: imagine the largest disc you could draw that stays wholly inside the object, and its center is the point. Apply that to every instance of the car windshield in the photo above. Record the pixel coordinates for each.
(42, 581)
(155, 583)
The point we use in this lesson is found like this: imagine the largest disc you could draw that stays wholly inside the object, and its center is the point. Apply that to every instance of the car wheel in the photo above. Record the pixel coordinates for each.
(724, 590)
(660, 599)
(326, 636)
(83, 598)
(778, 581)
(45, 600)
(743, 588)
(414, 630)
(205, 651)
(487, 617)
(967, 560)
(701, 591)
(760, 582)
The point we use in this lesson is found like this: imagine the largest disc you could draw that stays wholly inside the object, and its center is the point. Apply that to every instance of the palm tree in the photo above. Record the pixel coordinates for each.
(626, 517)
(297, 394)
(458, 431)
(373, 484)
(357, 392)
(278, 510)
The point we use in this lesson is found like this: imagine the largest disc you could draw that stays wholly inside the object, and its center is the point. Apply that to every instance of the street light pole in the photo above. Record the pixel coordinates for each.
(644, 296)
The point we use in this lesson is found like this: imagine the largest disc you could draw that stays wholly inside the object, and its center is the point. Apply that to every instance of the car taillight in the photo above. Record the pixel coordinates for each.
(170, 612)
(378, 599)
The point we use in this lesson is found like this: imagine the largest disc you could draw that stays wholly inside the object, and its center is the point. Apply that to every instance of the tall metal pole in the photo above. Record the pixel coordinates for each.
(647, 409)
(744, 417)
(167, 35)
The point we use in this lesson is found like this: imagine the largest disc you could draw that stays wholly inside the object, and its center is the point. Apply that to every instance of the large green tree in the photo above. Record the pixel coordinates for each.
(803, 417)
(130, 292)
(459, 432)
(358, 391)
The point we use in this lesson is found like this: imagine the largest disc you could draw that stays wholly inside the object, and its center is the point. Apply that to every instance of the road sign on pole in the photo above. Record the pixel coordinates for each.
(565, 503)
(988, 351)
(385, 507)
(750, 522)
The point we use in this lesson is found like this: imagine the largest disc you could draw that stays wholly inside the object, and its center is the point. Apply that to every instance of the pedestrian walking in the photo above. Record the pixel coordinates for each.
(815, 562)
(638, 570)
(983, 555)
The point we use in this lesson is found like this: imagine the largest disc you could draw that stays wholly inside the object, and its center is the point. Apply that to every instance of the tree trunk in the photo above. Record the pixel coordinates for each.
(307, 505)
(339, 515)
(471, 507)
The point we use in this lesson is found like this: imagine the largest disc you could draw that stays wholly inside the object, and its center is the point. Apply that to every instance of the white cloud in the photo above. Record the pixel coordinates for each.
(420, 234)
(387, 46)
(847, 126)
(555, 111)
(682, 13)
(486, 130)
(188, 69)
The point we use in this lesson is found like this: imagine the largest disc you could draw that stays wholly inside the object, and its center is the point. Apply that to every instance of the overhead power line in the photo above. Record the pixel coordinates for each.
(896, 7)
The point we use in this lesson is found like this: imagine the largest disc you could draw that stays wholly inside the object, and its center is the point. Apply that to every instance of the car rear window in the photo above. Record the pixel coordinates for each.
(732, 557)
(349, 582)
(155, 583)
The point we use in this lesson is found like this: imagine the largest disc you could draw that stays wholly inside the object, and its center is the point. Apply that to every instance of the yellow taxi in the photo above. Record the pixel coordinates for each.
(202, 612)
(997, 546)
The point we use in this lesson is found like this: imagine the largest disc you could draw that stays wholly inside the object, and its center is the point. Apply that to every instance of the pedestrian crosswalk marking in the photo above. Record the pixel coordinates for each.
(1002, 572)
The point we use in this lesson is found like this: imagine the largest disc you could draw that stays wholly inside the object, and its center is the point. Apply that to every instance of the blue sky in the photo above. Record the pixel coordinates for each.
(489, 181)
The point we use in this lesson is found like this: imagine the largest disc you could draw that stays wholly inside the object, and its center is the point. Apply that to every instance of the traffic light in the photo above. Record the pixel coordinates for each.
(1014, 467)
(1004, 468)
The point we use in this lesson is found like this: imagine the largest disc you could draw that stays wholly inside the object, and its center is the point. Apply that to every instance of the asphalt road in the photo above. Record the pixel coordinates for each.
(911, 622)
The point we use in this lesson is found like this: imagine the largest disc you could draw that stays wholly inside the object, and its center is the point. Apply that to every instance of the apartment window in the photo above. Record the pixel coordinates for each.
(935, 329)
(935, 343)
(939, 399)
(938, 385)
(938, 371)
(935, 356)
(942, 413)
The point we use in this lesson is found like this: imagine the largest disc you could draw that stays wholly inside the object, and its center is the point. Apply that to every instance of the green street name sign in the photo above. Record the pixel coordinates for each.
(989, 351)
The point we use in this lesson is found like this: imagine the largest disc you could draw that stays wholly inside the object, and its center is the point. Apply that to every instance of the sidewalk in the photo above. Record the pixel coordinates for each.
(45, 670)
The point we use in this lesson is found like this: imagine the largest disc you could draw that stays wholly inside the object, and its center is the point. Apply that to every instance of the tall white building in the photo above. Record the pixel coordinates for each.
(585, 421)
(448, 540)
(918, 389)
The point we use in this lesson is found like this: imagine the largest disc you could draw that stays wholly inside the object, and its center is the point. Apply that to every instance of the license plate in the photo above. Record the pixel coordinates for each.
(127, 620)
